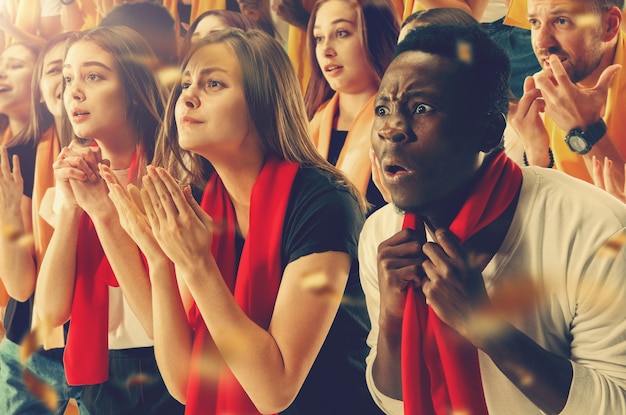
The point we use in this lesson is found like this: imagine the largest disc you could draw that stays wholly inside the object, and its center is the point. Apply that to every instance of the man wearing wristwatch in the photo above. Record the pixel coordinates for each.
(581, 89)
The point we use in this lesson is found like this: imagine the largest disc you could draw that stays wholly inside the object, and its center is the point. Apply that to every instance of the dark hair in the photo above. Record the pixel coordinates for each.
(268, 77)
(441, 15)
(152, 21)
(144, 93)
(40, 117)
(483, 67)
(232, 19)
(380, 26)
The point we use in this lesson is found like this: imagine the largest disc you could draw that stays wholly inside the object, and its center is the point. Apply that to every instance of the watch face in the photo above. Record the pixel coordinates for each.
(577, 144)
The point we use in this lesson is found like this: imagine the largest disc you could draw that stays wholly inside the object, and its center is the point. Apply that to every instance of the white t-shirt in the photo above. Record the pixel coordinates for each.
(125, 330)
(555, 241)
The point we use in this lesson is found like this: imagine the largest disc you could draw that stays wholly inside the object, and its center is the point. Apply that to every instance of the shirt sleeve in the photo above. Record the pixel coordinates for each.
(322, 216)
(598, 330)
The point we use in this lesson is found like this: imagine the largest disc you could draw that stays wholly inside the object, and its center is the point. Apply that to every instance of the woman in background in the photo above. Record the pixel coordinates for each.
(211, 21)
(350, 45)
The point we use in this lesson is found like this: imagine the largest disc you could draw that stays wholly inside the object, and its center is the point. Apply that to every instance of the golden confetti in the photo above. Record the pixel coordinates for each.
(464, 52)
(13, 234)
(41, 390)
(319, 284)
(589, 20)
(612, 247)
(25, 240)
(10, 232)
(28, 346)
(139, 379)
(169, 75)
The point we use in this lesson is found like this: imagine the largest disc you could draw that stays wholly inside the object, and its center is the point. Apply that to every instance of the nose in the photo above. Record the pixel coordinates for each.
(394, 130)
(75, 91)
(543, 39)
(189, 98)
(327, 47)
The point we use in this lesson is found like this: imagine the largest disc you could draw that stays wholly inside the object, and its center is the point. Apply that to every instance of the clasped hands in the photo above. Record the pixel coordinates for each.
(449, 277)
(162, 218)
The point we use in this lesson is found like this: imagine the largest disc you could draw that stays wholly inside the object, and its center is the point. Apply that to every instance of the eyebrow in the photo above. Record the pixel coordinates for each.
(560, 10)
(89, 64)
(54, 62)
(206, 71)
(408, 95)
(334, 22)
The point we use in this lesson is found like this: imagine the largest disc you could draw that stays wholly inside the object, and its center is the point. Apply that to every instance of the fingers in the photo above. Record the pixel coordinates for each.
(609, 177)
(5, 169)
(107, 175)
(606, 77)
(197, 209)
(597, 173)
(174, 192)
(70, 165)
(162, 195)
(531, 102)
(558, 71)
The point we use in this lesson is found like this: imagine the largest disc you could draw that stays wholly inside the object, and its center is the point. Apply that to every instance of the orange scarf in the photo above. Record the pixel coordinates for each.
(47, 151)
(354, 158)
(440, 369)
(517, 14)
(254, 283)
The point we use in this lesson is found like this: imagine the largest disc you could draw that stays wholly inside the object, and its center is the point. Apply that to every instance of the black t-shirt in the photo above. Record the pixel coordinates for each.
(18, 315)
(324, 216)
(372, 194)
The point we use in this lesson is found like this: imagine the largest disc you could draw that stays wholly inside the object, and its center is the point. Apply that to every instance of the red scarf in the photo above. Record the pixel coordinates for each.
(440, 370)
(86, 356)
(254, 284)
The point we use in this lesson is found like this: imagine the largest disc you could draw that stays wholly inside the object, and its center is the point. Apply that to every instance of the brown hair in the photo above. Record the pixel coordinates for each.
(268, 77)
(380, 26)
(144, 94)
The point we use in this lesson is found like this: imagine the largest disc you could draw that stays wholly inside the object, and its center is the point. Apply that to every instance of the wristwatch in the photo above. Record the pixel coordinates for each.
(580, 142)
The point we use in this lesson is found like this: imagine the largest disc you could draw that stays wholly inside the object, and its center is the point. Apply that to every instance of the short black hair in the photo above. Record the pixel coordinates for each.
(484, 67)
(152, 21)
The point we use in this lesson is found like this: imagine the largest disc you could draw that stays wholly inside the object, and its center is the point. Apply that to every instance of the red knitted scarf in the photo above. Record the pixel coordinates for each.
(440, 370)
(86, 357)
(254, 284)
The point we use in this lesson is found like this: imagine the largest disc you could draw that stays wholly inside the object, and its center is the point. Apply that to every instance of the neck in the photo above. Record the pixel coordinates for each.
(17, 124)
(350, 105)
(119, 151)
(238, 179)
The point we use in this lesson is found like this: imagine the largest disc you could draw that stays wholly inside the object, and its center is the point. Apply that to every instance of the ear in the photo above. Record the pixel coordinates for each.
(491, 128)
(612, 20)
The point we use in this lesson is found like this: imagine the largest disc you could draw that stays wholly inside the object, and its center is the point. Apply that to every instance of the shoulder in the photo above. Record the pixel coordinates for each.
(567, 198)
(381, 225)
(318, 186)
(322, 215)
